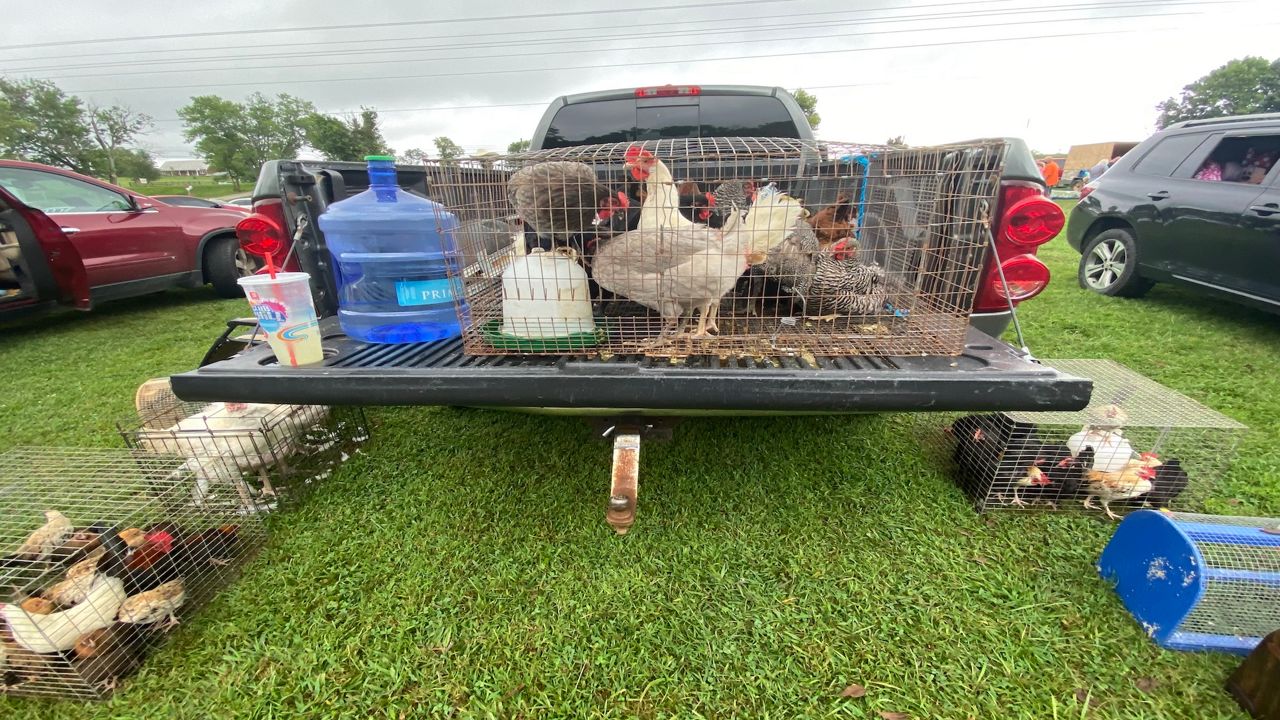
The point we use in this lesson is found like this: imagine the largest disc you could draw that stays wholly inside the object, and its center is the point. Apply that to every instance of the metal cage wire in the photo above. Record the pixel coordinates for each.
(101, 548)
(244, 453)
(1137, 444)
(737, 247)
(1242, 579)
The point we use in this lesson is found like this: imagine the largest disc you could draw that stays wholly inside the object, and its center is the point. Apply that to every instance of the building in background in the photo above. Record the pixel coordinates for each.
(184, 167)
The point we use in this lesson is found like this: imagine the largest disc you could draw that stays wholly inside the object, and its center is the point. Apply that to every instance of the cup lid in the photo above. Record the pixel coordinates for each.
(281, 278)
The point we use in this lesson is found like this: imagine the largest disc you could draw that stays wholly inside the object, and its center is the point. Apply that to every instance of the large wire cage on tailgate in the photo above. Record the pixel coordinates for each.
(737, 247)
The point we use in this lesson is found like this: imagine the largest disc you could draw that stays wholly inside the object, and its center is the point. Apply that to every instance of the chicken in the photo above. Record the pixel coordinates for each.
(133, 537)
(834, 222)
(105, 655)
(75, 586)
(1046, 474)
(661, 207)
(1111, 451)
(151, 606)
(792, 262)
(842, 286)
(728, 195)
(679, 271)
(58, 632)
(41, 544)
(559, 199)
(1170, 481)
(1134, 480)
(38, 606)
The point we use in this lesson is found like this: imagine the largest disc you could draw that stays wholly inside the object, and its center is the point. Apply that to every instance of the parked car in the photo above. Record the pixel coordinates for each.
(70, 239)
(188, 201)
(1196, 204)
(244, 202)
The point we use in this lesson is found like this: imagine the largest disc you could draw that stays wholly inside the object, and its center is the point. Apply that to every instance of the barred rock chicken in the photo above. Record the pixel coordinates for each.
(842, 286)
(792, 262)
(834, 222)
(560, 199)
(728, 195)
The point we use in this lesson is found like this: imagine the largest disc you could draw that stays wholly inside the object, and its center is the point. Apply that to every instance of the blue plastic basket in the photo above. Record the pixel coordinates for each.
(1198, 582)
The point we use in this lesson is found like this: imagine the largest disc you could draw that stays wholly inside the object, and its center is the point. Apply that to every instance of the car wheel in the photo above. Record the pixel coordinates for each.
(1109, 265)
(224, 263)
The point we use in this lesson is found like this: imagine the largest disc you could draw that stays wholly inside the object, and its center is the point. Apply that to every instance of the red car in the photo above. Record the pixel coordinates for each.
(73, 240)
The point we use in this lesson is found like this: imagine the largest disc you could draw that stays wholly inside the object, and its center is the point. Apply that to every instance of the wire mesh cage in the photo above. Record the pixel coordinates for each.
(244, 454)
(100, 552)
(721, 246)
(1137, 444)
(1198, 582)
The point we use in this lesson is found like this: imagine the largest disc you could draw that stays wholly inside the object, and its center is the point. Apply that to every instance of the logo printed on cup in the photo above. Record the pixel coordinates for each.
(270, 314)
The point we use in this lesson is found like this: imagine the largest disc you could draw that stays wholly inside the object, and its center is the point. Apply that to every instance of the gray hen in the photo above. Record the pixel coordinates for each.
(558, 199)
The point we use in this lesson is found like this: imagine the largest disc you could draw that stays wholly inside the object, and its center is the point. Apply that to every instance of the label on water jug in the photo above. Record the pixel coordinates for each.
(424, 292)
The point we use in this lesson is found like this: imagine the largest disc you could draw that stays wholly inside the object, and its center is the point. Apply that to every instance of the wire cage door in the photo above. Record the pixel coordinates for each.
(737, 247)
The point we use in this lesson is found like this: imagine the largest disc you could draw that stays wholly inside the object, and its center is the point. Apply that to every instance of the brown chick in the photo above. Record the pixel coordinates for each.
(152, 605)
(73, 588)
(133, 537)
(38, 606)
(834, 222)
(49, 537)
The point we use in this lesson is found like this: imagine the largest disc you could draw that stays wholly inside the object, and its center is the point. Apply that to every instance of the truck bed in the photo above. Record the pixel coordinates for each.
(988, 376)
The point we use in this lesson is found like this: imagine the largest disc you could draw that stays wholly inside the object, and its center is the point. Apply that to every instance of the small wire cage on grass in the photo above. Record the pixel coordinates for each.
(245, 454)
(100, 552)
(1138, 443)
(737, 247)
(1198, 582)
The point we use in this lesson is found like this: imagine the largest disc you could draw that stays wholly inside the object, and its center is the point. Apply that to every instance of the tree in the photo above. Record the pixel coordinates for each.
(1241, 87)
(114, 127)
(414, 156)
(809, 104)
(136, 163)
(237, 138)
(349, 138)
(447, 149)
(518, 146)
(39, 122)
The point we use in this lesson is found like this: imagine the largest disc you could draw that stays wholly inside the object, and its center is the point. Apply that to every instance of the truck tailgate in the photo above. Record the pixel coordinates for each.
(988, 376)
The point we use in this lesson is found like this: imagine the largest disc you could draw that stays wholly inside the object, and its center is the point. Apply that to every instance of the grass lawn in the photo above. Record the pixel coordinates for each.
(201, 186)
(462, 564)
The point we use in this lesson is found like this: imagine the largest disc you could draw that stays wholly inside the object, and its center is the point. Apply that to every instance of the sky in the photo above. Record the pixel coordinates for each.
(932, 71)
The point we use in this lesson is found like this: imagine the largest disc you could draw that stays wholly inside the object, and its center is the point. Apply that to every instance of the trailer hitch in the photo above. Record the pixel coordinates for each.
(624, 484)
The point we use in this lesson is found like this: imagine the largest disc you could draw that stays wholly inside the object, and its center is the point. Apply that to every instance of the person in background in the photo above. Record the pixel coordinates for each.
(1051, 174)
(1096, 171)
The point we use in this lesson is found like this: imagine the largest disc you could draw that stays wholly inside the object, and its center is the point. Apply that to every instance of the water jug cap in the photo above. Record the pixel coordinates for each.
(379, 158)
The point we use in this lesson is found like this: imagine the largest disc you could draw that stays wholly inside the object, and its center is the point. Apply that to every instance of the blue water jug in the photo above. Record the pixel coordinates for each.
(392, 253)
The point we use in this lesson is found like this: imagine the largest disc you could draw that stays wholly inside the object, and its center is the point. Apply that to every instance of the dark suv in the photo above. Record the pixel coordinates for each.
(1197, 203)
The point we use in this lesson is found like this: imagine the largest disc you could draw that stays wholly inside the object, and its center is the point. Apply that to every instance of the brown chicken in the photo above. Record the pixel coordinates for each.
(105, 655)
(1134, 480)
(834, 222)
(151, 606)
(75, 586)
(38, 606)
(560, 199)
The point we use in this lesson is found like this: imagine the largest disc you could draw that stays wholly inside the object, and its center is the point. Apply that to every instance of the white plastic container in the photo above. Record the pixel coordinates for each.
(545, 296)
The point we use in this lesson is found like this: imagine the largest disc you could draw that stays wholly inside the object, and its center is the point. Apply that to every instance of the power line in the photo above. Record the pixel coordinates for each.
(476, 73)
(399, 23)
(666, 34)
(540, 38)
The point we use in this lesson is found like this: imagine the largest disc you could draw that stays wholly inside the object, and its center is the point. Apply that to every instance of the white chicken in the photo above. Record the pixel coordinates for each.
(58, 632)
(1111, 450)
(661, 208)
(224, 440)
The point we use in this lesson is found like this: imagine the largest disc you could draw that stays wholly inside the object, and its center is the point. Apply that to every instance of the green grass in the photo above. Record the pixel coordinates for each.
(204, 186)
(462, 565)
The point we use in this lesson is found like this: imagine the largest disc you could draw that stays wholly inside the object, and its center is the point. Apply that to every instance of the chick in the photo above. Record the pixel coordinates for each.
(38, 606)
(105, 655)
(75, 586)
(152, 605)
(40, 544)
(133, 537)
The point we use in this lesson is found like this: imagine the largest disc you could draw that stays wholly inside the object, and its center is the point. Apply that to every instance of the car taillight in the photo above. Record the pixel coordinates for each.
(1033, 221)
(1088, 189)
(1024, 220)
(263, 231)
(668, 91)
(1024, 278)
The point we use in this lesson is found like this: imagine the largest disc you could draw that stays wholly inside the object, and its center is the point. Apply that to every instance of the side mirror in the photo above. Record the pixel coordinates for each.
(139, 204)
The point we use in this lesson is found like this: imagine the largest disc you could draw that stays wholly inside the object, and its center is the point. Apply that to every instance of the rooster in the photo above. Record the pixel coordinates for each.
(561, 200)
(1132, 481)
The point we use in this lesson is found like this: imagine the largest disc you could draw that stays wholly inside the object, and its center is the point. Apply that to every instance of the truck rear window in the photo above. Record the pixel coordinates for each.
(606, 121)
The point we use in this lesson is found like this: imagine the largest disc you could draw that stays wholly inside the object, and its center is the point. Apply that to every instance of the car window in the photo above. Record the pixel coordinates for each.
(189, 202)
(53, 193)
(592, 122)
(1167, 155)
(746, 116)
(666, 121)
(1245, 159)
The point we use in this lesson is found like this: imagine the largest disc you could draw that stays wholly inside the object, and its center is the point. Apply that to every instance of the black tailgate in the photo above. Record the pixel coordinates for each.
(989, 376)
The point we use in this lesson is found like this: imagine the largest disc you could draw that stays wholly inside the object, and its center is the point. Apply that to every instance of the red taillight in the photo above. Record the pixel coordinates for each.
(263, 231)
(1088, 189)
(1033, 221)
(668, 91)
(1024, 220)
(1024, 278)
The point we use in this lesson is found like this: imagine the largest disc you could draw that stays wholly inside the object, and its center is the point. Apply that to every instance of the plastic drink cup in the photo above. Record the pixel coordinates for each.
(286, 315)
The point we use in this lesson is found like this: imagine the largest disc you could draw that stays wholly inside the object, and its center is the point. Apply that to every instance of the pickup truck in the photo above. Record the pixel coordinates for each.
(629, 392)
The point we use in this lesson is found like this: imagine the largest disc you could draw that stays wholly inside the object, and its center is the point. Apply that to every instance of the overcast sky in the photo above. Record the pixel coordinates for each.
(1057, 73)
